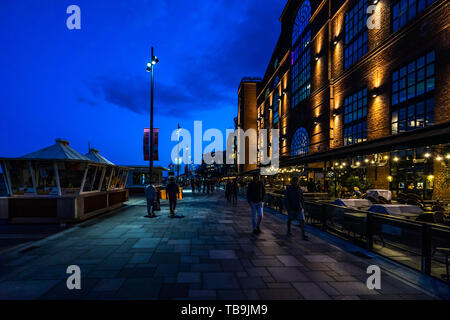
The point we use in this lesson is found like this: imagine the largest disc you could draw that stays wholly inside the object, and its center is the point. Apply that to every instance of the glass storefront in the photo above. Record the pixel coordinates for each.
(70, 176)
(20, 177)
(44, 178)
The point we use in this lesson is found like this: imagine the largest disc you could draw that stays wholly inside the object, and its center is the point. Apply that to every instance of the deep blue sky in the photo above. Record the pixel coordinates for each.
(91, 84)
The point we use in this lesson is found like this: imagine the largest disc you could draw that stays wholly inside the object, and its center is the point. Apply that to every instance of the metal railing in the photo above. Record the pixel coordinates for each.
(421, 246)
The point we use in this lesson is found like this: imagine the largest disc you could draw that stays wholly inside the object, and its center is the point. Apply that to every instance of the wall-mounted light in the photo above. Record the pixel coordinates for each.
(396, 159)
(366, 160)
(358, 164)
(336, 112)
(439, 158)
(374, 2)
(284, 92)
(430, 177)
(427, 155)
(375, 92)
(447, 156)
(336, 164)
(317, 57)
(336, 39)
(390, 178)
(386, 157)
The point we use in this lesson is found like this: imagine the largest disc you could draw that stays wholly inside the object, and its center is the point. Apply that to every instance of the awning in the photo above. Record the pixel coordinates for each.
(435, 135)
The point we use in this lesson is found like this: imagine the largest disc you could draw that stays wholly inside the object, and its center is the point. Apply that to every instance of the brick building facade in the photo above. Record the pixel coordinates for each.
(362, 85)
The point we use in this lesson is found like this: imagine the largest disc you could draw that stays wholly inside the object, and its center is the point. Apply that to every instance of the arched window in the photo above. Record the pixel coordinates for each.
(300, 142)
(301, 21)
(301, 56)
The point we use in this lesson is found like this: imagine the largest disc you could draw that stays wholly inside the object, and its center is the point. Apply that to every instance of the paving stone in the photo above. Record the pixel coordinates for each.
(252, 283)
(287, 274)
(171, 290)
(352, 288)
(222, 254)
(231, 295)
(220, 281)
(109, 284)
(319, 258)
(211, 267)
(311, 291)
(279, 294)
(289, 261)
(25, 290)
(140, 258)
(202, 294)
(139, 288)
(189, 277)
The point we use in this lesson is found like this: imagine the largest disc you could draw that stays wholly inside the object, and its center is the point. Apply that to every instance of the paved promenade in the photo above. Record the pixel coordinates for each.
(209, 254)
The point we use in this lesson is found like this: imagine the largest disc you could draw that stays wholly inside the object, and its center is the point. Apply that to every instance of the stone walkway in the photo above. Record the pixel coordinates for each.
(208, 254)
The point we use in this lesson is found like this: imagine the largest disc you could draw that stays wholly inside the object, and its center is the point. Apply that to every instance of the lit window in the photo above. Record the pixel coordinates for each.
(413, 116)
(300, 142)
(355, 33)
(355, 118)
(276, 108)
(412, 94)
(405, 10)
(301, 56)
(413, 79)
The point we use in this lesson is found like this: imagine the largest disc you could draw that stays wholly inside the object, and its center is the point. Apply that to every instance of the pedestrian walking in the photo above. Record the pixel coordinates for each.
(193, 185)
(228, 191)
(172, 191)
(151, 196)
(295, 206)
(234, 191)
(255, 198)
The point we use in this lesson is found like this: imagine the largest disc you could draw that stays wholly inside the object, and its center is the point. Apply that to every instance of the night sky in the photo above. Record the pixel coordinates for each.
(90, 85)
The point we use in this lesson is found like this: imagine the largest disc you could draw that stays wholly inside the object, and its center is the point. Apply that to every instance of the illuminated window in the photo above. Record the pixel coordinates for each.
(355, 118)
(413, 79)
(355, 33)
(405, 10)
(412, 94)
(276, 108)
(414, 116)
(300, 143)
(301, 56)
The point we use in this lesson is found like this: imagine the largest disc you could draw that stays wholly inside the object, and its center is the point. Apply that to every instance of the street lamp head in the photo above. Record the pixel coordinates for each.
(155, 60)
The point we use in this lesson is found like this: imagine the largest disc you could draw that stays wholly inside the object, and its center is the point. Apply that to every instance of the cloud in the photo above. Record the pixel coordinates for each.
(210, 47)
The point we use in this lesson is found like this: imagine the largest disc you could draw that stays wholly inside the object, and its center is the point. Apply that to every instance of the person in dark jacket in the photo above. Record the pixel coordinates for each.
(228, 191)
(255, 198)
(311, 186)
(234, 191)
(295, 204)
(193, 185)
(172, 191)
(151, 196)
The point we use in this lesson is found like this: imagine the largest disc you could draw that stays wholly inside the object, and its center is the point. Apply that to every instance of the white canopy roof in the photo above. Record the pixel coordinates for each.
(59, 151)
(96, 157)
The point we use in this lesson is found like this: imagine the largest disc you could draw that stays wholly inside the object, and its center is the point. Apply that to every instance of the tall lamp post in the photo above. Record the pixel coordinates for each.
(178, 155)
(150, 67)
